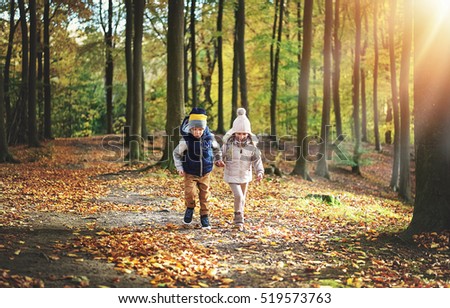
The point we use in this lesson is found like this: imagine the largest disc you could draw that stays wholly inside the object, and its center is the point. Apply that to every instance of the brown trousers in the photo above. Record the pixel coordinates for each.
(197, 185)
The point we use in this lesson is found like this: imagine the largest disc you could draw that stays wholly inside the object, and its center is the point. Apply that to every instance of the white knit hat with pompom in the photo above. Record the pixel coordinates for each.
(242, 124)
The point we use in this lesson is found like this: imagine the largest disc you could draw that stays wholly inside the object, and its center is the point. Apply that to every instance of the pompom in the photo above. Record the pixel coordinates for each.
(241, 111)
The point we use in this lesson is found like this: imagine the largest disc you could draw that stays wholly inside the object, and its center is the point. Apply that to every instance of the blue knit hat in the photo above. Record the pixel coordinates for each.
(197, 118)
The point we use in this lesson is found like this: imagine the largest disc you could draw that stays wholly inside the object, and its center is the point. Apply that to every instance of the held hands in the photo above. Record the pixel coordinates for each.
(219, 163)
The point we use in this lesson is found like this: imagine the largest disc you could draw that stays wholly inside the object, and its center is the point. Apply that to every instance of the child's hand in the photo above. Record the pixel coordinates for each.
(259, 177)
(219, 163)
(180, 172)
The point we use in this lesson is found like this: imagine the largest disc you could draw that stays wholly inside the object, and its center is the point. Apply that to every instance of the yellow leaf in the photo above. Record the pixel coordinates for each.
(17, 252)
(226, 280)
(102, 233)
(277, 278)
(157, 265)
(203, 285)
(212, 272)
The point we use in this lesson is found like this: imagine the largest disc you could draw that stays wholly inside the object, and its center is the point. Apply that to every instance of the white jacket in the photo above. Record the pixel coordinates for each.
(239, 160)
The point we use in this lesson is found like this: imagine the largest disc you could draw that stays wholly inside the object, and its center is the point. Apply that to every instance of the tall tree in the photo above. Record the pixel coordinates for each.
(12, 29)
(355, 90)
(404, 188)
(301, 167)
(363, 77)
(394, 90)
(46, 78)
(5, 156)
(129, 68)
(274, 37)
(241, 54)
(322, 166)
(40, 77)
(432, 117)
(375, 78)
(21, 123)
(274, 66)
(235, 69)
(337, 70)
(219, 47)
(144, 132)
(175, 78)
(207, 70)
(136, 147)
(33, 140)
(109, 64)
(193, 46)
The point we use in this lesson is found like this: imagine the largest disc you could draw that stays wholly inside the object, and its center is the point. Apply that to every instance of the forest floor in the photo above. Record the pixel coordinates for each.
(74, 214)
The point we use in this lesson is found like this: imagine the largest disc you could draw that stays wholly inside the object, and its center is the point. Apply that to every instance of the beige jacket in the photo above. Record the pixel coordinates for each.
(239, 160)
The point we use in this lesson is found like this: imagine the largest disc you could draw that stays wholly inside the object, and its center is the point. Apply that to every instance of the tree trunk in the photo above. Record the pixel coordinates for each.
(12, 30)
(175, 79)
(241, 54)
(235, 73)
(220, 119)
(210, 62)
(144, 132)
(363, 80)
(33, 140)
(375, 79)
(193, 55)
(109, 70)
(129, 69)
(272, 43)
(186, 70)
(40, 82)
(322, 166)
(363, 106)
(355, 90)
(432, 117)
(273, 105)
(394, 90)
(405, 177)
(47, 89)
(136, 147)
(337, 72)
(275, 61)
(301, 167)
(5, 156)
(20, 135)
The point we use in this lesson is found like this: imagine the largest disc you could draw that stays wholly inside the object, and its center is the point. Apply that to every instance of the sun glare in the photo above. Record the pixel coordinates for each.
(435, 17)
(441, 7)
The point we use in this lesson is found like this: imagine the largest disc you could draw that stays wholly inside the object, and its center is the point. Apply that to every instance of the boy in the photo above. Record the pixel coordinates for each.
(194, 157)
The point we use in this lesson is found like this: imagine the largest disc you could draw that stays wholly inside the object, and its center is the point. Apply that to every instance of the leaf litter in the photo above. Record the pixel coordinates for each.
(339, 233)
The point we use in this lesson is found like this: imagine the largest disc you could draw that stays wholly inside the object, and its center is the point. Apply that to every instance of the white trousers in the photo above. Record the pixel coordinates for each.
(240, 193)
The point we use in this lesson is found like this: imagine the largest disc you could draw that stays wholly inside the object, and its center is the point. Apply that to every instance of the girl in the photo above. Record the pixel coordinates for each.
(240, 154)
